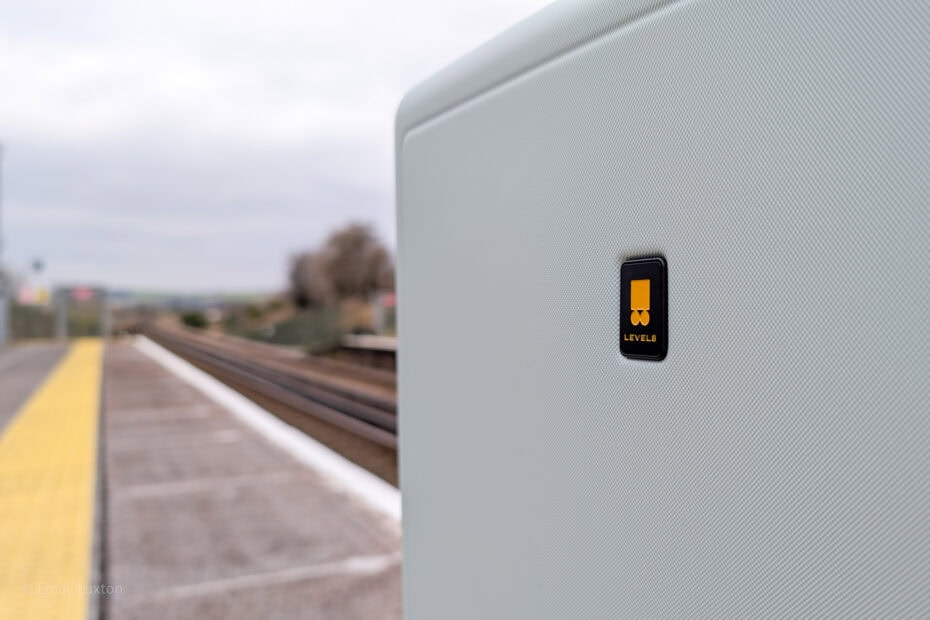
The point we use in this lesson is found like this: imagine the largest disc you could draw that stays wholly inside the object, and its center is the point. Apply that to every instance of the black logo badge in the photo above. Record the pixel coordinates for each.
(644, 308)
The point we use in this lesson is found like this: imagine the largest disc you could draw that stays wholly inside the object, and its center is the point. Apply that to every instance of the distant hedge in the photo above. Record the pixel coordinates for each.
(194, 318)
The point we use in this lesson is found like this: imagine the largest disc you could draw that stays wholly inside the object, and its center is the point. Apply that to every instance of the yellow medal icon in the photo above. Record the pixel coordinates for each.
(639, 302)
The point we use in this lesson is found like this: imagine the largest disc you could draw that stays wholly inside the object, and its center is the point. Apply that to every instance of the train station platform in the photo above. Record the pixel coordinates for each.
(134, 486)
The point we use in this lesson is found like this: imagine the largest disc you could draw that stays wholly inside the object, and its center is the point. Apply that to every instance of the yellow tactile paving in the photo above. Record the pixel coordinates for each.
(47, 474)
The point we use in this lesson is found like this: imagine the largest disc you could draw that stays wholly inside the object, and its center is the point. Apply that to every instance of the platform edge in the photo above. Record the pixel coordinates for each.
(341, 473)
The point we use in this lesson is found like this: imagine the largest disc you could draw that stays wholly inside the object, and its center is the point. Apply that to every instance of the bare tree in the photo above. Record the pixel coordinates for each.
(352, 264)
(310, 286)
(356, 262)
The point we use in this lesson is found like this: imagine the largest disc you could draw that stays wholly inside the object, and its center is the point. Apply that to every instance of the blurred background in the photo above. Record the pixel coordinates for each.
(229, 162)
(212, 183)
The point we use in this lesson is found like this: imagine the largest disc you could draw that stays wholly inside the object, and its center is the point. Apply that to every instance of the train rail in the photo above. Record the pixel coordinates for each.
(356, 400)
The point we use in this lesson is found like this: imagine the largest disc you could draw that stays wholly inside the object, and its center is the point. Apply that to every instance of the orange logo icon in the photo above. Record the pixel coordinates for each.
(639, 302)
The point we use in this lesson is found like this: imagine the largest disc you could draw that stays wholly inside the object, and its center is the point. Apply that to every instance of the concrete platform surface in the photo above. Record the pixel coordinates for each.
(48, 475)
(207, 519)
(22, 368)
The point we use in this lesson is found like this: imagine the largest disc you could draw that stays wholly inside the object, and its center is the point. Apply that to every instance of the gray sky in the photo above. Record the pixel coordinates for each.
(192, 145)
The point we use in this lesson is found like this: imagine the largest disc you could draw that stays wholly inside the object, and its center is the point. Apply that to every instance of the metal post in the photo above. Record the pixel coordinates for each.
(104, 313)
(61, 313)
(4, 303)
(377, 312)
(4, 312)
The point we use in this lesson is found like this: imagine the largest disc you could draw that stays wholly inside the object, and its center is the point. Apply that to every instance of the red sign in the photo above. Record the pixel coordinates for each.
(82, 294)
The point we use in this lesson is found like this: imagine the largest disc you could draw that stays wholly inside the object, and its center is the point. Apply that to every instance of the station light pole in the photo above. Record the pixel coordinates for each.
(4, 302)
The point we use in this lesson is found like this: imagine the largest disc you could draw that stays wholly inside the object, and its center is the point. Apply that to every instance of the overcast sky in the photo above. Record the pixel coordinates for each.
(192, 145)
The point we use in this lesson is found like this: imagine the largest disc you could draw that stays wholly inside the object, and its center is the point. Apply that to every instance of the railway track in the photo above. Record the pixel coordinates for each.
(355, 400)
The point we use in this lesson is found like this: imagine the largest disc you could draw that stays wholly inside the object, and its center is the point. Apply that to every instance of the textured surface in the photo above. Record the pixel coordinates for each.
(48, 468)
(206, 519)
(22, 368)
(777, 462)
